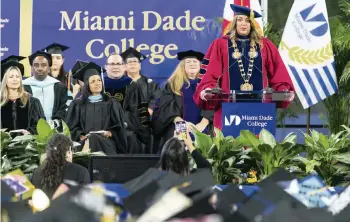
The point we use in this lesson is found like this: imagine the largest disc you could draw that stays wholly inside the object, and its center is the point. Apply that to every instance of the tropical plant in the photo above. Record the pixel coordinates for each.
(224, 154)
(338, 105)
(266, 154)
(329, 156)
(28, 151)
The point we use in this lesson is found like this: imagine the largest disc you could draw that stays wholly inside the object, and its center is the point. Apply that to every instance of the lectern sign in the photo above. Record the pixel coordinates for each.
(248, 116)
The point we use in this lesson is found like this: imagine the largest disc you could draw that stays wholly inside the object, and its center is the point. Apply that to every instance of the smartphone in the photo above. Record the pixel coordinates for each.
(181, 130)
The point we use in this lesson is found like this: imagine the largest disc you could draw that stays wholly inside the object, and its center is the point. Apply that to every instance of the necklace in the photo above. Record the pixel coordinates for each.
(246, 86)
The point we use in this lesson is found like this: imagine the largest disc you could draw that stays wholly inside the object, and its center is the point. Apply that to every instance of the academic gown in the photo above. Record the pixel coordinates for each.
(60, 98)
(172, 105)
(14, 116)
(129, 96)
(84, 117)
(216, 70)
(71, 171)
(150, 90)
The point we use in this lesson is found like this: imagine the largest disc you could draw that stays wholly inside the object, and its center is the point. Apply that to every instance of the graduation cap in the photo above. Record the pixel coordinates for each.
(286, 212)
(200, 208)
(279, 175)
(40, 53)
(193, 185)
(79, 64)
(242, 10)
(190, 54)
(11, 61)
(265, 201)
(133, 53)
(229, 200)
(91, 69)
(55, 48)
(6, 192)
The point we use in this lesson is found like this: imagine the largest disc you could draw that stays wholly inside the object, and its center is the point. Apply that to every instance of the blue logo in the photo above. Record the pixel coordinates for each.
(248, 116)
(319, 18)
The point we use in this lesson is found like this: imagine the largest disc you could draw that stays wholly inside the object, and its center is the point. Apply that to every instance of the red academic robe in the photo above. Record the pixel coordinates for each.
(216, 64)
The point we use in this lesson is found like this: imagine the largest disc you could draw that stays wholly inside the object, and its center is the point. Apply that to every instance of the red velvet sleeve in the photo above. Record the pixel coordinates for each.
(277, 73)
(212, 67)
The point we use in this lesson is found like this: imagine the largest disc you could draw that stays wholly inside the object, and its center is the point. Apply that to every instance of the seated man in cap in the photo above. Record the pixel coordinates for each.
(50, 92)
(121, 87)
(96, 117)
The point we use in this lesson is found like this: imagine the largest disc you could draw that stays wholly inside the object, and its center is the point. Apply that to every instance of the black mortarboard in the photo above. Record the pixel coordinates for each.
(229, 200)
(265, 200)
(343, 215)
(152, 174)
(6, 192)
(87, 71)
(190, 54)
(12, 61)
(196, 183)
(79, 64)
(55, 48)
(138, 202)
(200, 208)
(286, 212)
(277, 176)
(242, 10)
(15, 211)
(131, 53)
(40, 53)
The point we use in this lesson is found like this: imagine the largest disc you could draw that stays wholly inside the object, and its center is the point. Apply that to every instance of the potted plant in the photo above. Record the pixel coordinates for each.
(224, 154)
(267, 155)
(328, 156)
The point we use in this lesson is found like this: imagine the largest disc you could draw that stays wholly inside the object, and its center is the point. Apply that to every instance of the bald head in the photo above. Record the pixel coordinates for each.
(115, 66)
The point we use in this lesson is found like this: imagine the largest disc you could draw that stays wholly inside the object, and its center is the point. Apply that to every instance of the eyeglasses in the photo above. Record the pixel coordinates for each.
(115, 64)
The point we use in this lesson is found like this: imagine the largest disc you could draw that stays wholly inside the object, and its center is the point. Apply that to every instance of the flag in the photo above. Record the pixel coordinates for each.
(229, 14)
(306, 51)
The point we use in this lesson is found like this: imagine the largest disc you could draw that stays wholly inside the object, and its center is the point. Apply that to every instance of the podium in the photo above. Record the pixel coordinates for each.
(248, 110)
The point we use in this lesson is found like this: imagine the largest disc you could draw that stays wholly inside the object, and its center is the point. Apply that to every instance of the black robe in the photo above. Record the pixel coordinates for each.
(14, 116)
(128, 93)
(150, 90)
(71, 171)
(84, 117)
(171, 106)
(60, 100)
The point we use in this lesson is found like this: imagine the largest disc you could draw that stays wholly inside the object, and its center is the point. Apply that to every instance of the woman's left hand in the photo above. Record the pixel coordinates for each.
(107, 134)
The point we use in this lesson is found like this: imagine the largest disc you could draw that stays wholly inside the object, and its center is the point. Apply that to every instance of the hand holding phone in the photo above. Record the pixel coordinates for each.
(181, 130)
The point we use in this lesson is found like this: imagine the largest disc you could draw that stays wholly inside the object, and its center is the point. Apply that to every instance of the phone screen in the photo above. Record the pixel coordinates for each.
(181, 130)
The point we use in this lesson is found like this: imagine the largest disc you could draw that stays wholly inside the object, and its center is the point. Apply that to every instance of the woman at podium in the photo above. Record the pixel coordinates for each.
(241, 60)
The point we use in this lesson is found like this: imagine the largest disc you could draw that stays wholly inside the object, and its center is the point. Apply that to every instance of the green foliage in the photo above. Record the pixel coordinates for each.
(328, 156)
(223, 154)
(267, 153)
(338, 105)
(27, 152)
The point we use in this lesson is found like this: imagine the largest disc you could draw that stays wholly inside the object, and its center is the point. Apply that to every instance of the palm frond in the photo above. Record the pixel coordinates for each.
(344, 5)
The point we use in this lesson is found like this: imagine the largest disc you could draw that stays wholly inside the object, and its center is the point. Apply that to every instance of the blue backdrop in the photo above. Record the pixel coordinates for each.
(95, 28)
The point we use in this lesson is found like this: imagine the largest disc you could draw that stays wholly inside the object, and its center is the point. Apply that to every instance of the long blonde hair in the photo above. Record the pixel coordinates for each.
(22, 95)
(178, 78)
(253, 35)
